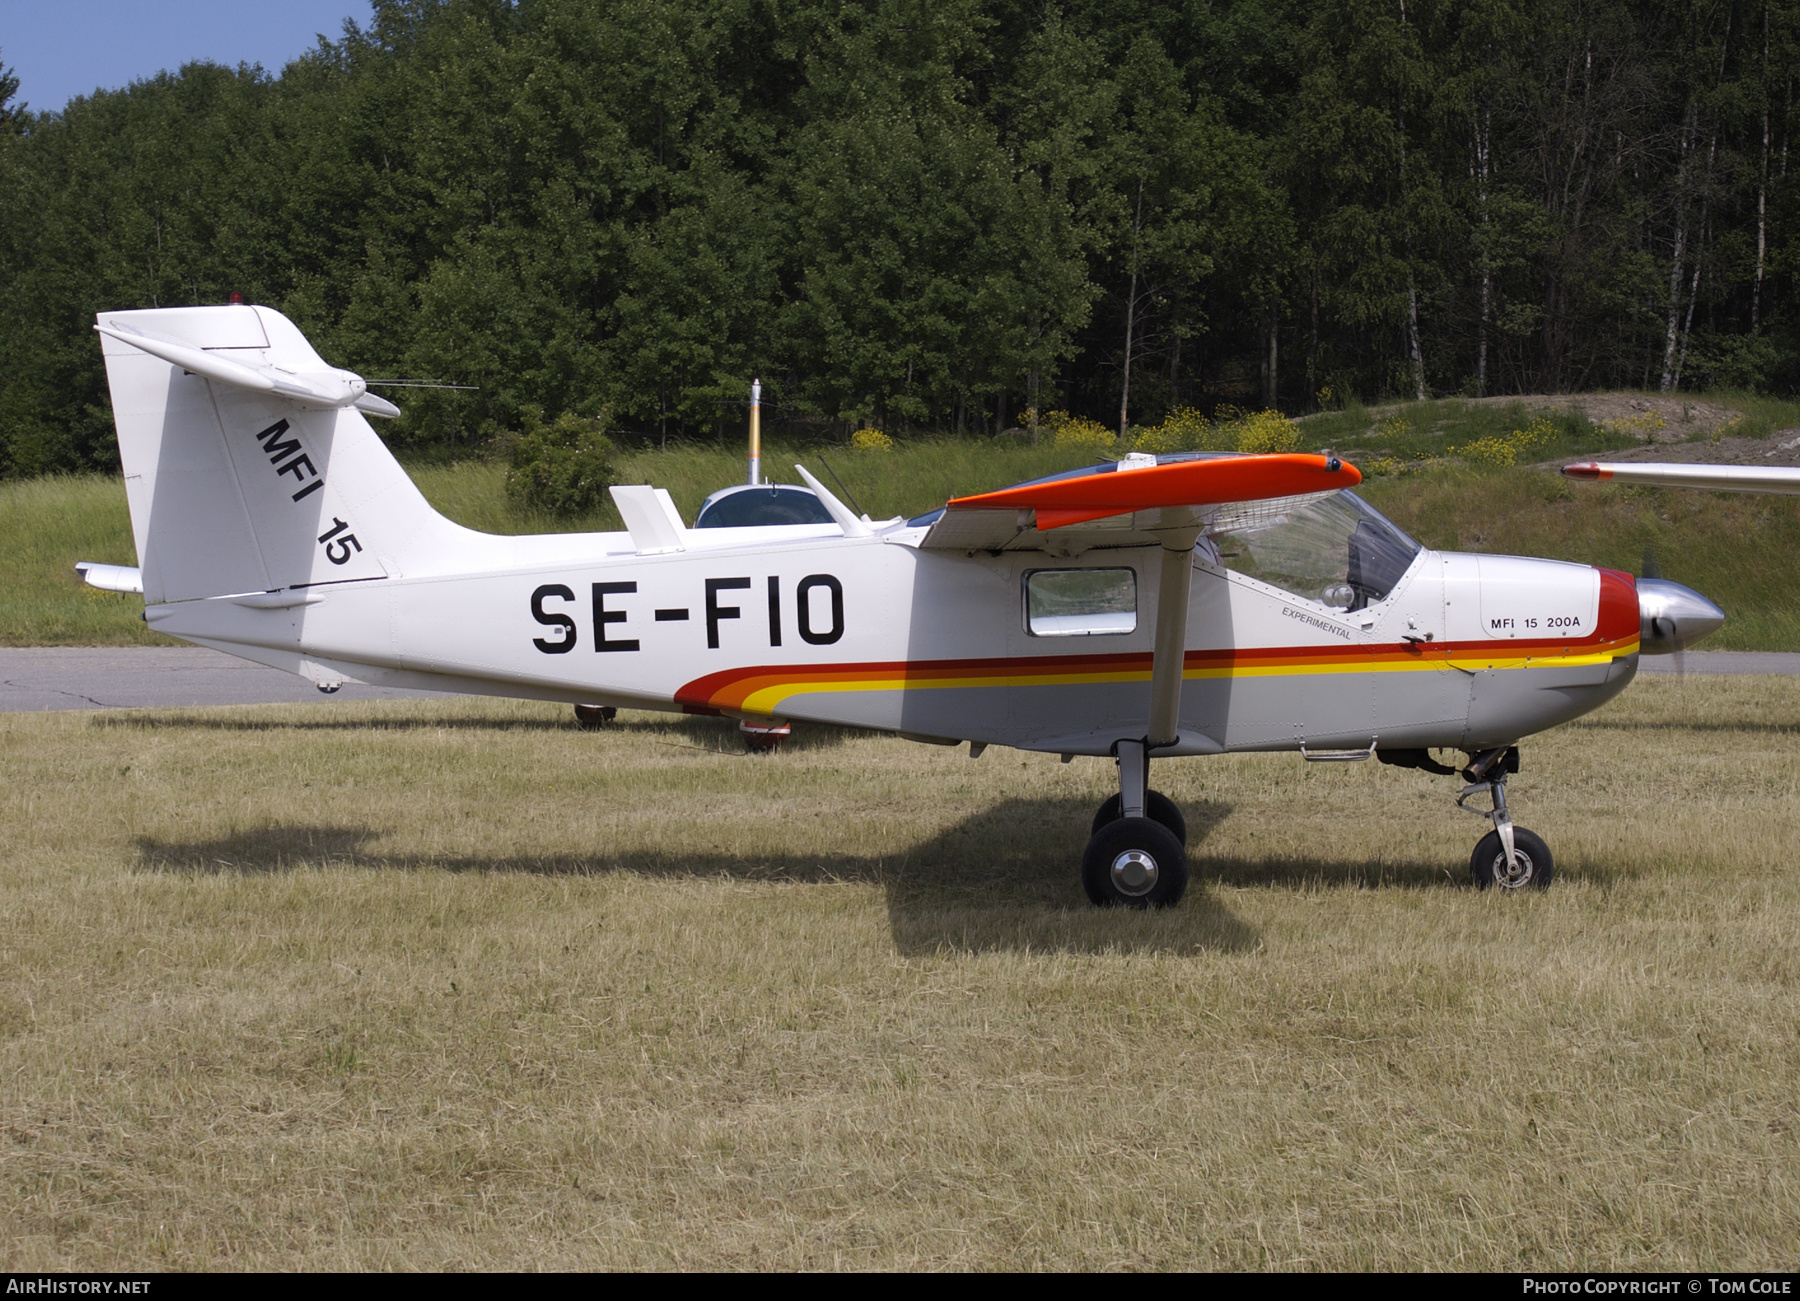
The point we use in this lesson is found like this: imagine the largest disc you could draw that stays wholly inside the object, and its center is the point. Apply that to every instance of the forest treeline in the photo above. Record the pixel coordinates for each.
(932, 213)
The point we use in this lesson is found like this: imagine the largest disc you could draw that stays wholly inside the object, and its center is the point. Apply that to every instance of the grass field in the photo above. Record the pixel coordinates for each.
(1743, 551)
(1568, 424)
(455, 984)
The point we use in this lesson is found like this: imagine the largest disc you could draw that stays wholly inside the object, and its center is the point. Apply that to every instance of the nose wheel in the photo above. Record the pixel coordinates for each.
(1530, 869)
(1508, 858)
(1135, 858)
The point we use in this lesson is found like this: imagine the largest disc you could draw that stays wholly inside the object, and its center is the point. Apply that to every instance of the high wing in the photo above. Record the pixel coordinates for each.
(1720, 478)
(1133, 502)
(1141, 500)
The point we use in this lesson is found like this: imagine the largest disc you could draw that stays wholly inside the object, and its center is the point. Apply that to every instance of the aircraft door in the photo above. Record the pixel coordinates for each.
(1420, 697)
(1206, 692)
(1317, 581)
(1081, 632)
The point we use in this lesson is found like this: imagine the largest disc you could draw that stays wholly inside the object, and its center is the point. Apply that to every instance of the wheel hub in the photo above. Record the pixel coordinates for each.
(1134, 873)
(1515, 875)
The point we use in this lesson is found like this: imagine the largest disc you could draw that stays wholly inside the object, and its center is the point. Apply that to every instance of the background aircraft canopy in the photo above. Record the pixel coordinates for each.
(747, 505)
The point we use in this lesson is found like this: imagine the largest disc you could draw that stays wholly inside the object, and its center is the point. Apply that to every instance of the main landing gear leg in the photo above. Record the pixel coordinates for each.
(1509, 858)
(1135, 859)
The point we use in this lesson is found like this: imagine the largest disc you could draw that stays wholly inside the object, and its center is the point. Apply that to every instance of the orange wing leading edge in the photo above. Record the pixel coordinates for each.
(1118, 491)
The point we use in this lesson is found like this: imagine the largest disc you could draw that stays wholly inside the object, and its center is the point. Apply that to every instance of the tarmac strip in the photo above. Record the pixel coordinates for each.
(1753, 663)
(156, 677)
(170, 677)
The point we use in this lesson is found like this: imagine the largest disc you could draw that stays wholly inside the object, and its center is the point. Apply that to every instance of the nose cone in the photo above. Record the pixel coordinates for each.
(1672, 617)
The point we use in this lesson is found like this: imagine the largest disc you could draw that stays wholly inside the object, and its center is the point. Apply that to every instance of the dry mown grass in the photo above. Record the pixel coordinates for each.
(454, 984)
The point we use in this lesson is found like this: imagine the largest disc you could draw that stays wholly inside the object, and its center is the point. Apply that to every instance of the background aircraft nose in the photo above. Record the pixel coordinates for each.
(1672, 617)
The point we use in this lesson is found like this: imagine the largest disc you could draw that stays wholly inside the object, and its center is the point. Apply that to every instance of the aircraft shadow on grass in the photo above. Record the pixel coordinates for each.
(719, 735)
(1755, 727)
(1001, 880)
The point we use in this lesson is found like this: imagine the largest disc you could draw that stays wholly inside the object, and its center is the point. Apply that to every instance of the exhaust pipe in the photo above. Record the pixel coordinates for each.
(1672, 617)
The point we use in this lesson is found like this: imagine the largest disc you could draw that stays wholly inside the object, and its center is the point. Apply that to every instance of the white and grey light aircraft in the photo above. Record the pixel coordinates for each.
(1156, 608)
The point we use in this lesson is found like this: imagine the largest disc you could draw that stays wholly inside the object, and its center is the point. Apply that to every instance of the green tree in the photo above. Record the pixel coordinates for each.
(13, 116)
(1187, 194)
(564, 466)
(1374, 201)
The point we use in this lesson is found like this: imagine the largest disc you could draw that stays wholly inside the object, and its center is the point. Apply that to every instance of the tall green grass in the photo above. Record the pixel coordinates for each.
(1743, 551)
(1417, 431)
(1760, 415)
(46, 525)
(914, 477)
(1422, 431)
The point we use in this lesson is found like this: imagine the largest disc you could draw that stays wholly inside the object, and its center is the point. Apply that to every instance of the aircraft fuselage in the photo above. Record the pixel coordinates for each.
(804, 624)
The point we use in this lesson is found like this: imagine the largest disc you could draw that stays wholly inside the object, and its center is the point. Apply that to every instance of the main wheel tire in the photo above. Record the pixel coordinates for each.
(1134, 863)
(1157, 807)
(1535, 866)
(594, 717)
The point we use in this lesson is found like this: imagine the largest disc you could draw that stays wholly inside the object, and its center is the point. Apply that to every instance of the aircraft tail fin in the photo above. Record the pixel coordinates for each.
(248, 464)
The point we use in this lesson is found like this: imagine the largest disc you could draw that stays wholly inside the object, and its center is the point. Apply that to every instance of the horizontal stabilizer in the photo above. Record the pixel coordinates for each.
(1720, 478)
(1078, 499)
(330, 388)
(111, 578)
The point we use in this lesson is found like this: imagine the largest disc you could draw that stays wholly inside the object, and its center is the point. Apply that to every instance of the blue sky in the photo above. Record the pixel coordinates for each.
(63, 48)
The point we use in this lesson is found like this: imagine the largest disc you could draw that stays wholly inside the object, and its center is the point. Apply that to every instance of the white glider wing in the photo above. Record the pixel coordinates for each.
(1719, 478)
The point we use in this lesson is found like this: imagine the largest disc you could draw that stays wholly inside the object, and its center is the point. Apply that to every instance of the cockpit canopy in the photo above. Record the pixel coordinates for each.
(1333, 549)
(748, 505)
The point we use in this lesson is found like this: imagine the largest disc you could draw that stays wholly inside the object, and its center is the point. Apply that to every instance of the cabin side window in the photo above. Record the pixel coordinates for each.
(1080, 602)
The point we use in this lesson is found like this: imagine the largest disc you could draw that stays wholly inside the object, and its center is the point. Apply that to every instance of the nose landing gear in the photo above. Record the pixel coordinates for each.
(1508, 858)
(1136, 857)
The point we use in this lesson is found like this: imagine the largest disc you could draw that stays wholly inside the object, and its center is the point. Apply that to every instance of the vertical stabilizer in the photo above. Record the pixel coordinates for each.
(260, 473)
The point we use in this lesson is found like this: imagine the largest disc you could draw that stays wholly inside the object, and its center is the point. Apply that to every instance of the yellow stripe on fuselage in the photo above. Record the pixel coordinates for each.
(765, 700)
(1467, 663)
